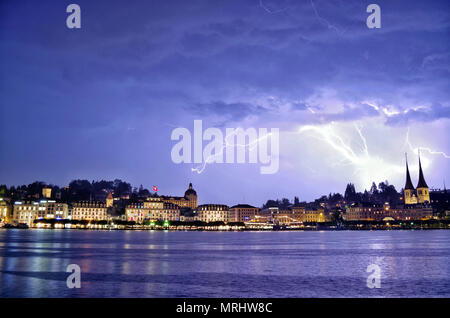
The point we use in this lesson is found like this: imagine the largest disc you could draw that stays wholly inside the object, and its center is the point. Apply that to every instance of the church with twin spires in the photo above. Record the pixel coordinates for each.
(421, 193)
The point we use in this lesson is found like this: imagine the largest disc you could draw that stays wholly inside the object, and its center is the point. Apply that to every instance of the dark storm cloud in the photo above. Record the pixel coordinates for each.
(228, 111)
(136, 69)
(350, 113)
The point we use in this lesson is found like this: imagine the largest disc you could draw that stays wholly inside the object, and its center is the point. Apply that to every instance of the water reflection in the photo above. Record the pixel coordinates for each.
(224, 264)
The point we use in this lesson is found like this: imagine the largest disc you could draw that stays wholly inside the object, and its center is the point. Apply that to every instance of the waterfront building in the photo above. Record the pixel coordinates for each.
(267, 214)
(212, 213)
(5, 211)
(188, 200)
(312, 215)
(298, 211)
(152, 210)
(170, 212)
(242, 213)
(294, 214)
(89, 210)
(284, 216)
(50, 209)
(378, 212)
(25, 212)
(137, 212)
(188, 215)
(417, 204)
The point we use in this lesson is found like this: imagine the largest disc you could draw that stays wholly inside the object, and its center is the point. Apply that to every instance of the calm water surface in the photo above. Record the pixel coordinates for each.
(224, 264)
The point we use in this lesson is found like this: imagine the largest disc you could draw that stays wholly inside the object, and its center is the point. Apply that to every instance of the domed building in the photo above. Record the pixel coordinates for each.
(191, 195)
(189, 200)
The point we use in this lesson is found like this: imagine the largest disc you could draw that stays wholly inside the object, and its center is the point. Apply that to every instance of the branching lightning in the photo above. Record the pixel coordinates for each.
(430, 151)
(324, 21)
(263, 6)
(227, 144)
(368, 167)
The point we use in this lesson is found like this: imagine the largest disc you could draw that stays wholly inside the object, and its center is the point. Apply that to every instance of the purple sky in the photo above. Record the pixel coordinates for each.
(102, 101)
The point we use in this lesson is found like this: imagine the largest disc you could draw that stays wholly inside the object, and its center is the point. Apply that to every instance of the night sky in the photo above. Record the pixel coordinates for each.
(101, 102)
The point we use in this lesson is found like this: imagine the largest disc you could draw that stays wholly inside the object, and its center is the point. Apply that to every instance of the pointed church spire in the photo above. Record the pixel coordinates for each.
(421, 183)
(408, 184)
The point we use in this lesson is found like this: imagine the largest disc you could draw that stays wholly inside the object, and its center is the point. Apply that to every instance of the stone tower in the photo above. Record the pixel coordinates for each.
(423, 193)
(409, 191)
(109, 200)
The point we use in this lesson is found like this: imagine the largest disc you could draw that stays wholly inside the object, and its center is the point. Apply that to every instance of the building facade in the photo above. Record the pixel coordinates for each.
(109, 200)
(189, 199)
(213, 213)
(137, 212)
(89, 210)
(47, 192)
(28, 211)
(154, 209)
(25, 212)
(242, 213)
(5, 211)
(170, 212)
(50, 209)
(378, 212)
(312, 216)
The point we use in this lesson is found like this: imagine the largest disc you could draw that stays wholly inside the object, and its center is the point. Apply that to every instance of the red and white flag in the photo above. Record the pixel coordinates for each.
(155, 188)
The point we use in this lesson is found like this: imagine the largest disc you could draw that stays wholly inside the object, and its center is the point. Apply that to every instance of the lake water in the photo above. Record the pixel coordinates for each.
(224, 264)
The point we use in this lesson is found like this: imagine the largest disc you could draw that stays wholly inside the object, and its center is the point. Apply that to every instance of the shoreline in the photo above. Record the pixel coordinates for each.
(239, 230)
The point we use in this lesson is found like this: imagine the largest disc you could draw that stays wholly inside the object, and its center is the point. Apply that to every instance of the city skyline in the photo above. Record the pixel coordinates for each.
(101, 102)
(413, 192)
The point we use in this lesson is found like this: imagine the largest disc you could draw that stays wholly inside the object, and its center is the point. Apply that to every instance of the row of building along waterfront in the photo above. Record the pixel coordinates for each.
(185, 209)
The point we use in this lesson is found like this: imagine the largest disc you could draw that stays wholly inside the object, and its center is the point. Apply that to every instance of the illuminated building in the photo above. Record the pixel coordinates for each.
(152, 210)
(242, 213)
(109, 200)
(294, 214)
(409, 191)
(419, 195)
(154, 203)
(189, 200)
(89, 210)
(5, 211)
(423, 193)
(47, 192)
(25, 212)
(213, 213)
(170, 212)
(312, 215)
(50, 209)
(377, 212)
(137, 212)
(28, 211)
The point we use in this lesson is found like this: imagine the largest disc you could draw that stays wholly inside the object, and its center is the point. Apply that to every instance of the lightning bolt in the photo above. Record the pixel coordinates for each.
(226, 145)
(368, 167)
(430, 151)
(326, 134)
(261, 4)
(324, 21)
